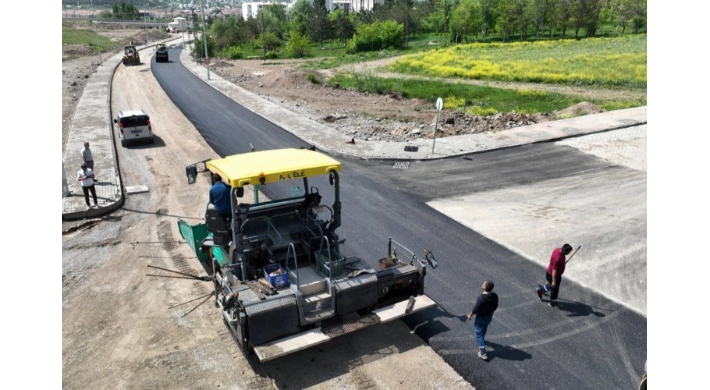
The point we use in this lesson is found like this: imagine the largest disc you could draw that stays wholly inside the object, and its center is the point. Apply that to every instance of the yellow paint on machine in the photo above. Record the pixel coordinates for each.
(273, 165)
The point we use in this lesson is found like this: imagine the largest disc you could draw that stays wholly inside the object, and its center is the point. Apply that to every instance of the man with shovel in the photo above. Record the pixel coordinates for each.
(554, 272)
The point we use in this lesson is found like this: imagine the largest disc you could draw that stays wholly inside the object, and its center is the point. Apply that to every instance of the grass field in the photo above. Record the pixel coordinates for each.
(617, 63)
(609, 62)
(606, 62)
(85, 37)
(473, 99)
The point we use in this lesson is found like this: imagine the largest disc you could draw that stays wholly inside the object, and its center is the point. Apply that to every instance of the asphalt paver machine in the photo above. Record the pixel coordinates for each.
(280, 279)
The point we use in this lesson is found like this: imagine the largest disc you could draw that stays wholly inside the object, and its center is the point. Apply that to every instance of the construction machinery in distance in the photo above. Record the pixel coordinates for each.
(161, 53)
(130, 55)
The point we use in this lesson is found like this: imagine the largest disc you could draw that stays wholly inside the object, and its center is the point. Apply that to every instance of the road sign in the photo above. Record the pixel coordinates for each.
(439, 106)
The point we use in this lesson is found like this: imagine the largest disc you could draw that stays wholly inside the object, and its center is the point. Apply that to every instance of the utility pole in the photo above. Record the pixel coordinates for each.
(98, 48)
(204, 39)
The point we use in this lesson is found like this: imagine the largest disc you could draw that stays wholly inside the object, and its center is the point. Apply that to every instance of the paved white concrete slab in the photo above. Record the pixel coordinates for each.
(605, 212)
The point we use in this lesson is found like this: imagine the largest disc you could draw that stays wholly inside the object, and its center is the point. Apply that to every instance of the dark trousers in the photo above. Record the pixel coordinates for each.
(86, 190)
(480, 327)
(555, 291)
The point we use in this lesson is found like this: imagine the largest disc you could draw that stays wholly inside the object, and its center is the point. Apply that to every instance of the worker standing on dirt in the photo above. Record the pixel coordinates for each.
(486, 304)
(219, 196)
(554, 272)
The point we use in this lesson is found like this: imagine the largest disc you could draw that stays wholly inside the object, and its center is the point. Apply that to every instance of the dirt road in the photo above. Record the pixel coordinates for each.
(124, 329)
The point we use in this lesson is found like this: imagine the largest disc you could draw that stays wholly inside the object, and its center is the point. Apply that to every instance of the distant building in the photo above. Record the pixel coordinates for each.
(345, 5)
(251, 9)
(364, 5)
(178, 24)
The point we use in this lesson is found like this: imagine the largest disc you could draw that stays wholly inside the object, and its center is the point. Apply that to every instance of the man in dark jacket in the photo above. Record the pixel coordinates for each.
(219, 196)
(485, 305)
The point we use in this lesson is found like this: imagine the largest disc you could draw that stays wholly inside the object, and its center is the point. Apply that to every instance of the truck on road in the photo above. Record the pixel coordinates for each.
(281, 281)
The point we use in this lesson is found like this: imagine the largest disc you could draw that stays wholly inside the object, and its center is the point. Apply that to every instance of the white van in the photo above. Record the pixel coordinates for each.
(134, 126)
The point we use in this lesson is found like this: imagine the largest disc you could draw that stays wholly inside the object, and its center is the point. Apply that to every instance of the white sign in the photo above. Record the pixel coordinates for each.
(439, 104)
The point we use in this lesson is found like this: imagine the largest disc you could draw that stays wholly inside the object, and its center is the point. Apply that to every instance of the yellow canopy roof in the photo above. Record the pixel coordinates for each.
(274, 165)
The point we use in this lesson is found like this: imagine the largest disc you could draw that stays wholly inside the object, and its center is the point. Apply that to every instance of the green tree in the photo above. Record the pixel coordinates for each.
(401, 11)
(564, 16)
(466, 18)
(489, 14)
(275, 17)
(298, 16)
(227, 32)
(638, 15)
(506, 21)
(199, 46)
(251, 29)
(586, 14)
(542, 16)
(419, 13)
(343, 28)
(270, 21)
(526, 10)
(624, 13)
(365, 17)
(269, 41)
(376, 36)
(298, 44)
(437, 21)
(319, 27)
(125, 11)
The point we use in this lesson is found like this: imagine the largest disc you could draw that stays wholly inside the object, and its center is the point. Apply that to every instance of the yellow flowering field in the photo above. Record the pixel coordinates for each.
(607, 62)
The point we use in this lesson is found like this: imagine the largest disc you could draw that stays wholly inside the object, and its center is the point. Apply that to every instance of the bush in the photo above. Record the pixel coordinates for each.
(298, 45)
(272, 55)
(235, 53)
(376, 36)
(268, 41)
(480, 111)
(313, 79)
(351, 47)
(451, 102)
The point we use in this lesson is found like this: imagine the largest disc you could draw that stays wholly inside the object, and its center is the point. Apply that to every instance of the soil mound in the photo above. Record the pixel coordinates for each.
(583, 108)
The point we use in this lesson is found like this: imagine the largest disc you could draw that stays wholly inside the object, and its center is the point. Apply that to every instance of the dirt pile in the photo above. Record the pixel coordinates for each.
(362, 115)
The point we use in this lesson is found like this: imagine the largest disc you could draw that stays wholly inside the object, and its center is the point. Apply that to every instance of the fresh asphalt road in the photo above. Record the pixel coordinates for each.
(592, 342)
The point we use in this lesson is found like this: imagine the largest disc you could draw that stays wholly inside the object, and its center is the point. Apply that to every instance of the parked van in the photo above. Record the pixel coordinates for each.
(134, 126)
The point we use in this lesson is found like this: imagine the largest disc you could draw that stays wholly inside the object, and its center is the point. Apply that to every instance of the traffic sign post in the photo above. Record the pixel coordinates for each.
(439, 106)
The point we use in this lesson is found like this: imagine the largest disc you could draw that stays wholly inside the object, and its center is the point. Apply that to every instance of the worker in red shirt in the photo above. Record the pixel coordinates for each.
(554, 272)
